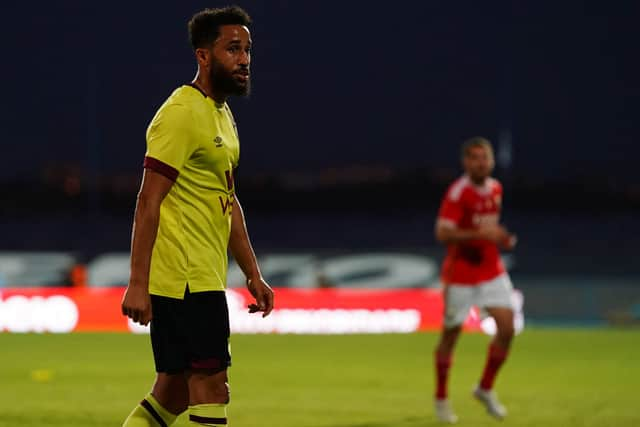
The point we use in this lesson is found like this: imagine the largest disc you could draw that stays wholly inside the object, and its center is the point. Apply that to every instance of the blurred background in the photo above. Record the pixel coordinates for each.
(349, 140)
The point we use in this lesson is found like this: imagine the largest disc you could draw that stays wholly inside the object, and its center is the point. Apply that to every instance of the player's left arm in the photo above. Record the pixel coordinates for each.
(242, 251)
(511, 240)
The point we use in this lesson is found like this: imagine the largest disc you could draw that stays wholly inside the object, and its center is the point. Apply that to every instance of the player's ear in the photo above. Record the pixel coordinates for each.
(203, 56)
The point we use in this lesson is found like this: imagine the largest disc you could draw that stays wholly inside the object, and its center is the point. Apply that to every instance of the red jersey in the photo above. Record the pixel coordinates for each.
(467, 206)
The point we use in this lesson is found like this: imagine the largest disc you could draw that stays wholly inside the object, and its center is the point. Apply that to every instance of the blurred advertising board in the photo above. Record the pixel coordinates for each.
(298, 311)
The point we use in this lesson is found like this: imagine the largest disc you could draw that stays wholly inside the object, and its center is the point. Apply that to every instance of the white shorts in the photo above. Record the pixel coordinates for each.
(459, 299)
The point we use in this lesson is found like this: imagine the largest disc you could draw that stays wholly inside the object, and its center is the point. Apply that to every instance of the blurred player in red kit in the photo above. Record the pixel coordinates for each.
(468, 224)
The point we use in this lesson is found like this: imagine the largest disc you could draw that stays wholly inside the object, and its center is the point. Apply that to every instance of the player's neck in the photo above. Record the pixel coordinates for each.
(204, 84)
(478, 181)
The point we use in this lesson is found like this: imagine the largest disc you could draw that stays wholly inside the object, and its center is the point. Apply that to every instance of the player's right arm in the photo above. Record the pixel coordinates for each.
(136, 303)
(169, 145)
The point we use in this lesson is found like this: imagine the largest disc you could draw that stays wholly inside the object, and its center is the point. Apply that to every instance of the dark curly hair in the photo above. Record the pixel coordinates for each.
(204, 26)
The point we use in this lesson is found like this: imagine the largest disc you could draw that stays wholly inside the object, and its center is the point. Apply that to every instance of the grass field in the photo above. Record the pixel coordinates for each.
(555, 378)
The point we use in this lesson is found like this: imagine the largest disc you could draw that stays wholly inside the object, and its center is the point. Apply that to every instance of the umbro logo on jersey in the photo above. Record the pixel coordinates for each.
(218, 141)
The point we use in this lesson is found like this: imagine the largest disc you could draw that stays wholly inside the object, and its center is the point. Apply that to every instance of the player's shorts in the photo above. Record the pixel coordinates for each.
(192, 333)
(493, 293)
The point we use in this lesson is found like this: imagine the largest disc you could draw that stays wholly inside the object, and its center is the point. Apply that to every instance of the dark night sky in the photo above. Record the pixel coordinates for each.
(334, 83)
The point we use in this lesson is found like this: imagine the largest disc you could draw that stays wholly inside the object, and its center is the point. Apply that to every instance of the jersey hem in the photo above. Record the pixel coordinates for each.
(472, 284)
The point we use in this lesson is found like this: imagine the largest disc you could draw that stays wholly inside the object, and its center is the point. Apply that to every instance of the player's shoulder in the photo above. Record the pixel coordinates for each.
(457, 188)
(186, 96)
(179, 106)
(494, 185)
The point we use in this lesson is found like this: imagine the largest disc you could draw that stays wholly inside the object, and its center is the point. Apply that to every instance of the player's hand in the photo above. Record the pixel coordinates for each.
(495, 233)
(509, 243)
(263, 294)
(136, 304)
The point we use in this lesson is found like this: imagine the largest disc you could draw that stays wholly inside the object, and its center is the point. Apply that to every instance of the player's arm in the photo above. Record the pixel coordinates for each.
(448, 232)
(451, 212)
(242, 251)
(136, 303)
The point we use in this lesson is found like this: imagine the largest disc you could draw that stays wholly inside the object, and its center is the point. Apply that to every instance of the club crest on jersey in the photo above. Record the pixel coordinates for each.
(218, 141)
(497, 199)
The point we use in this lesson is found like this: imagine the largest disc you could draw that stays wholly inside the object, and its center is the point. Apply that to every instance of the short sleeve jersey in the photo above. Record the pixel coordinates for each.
(468, 206)
(193, 141)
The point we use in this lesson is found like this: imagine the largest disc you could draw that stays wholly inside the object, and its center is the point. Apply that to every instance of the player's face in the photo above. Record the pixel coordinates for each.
(478, 163)
(229, 66)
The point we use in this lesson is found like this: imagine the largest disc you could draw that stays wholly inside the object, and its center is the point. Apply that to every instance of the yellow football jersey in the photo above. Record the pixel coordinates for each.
(193, 141)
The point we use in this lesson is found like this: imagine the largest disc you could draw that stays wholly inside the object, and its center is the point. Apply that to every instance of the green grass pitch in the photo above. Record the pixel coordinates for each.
(554, 378)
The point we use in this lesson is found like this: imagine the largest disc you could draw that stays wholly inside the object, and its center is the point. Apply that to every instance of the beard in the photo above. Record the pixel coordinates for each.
(223, 81)
(479, 176)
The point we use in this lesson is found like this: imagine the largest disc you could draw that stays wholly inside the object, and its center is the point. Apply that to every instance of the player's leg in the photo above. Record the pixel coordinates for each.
(168, 398)
(172, 392)
(496, 301)
(209, 359)
(457, 302)
(208, 397)
(444, 358)
(499, 346)
(170, 395)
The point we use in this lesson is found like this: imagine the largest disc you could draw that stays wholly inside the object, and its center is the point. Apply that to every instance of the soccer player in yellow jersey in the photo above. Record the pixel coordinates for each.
(187, 217)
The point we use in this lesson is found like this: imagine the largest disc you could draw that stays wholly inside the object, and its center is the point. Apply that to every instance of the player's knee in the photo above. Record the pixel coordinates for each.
(450, 333)
(220, 393)
(207, 387)
(225, 393)
(506, 333)
(448, 340)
